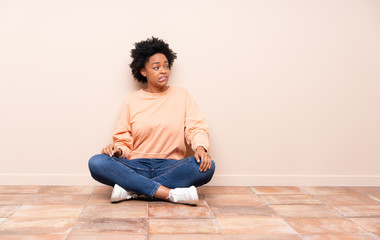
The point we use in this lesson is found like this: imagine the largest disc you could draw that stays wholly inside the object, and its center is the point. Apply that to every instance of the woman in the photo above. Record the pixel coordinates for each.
(148, 149)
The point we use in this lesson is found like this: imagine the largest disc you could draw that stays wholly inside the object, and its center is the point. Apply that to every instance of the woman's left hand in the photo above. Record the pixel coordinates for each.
(204, 158)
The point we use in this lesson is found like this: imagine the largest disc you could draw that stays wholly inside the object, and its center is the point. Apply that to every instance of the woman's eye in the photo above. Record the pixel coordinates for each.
(155, 68)
(166, 67)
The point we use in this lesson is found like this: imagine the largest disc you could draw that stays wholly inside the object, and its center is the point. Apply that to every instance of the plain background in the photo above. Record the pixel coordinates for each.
(290, 88)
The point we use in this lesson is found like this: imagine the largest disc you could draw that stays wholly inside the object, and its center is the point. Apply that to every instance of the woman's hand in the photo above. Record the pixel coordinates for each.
(112, 151)
(202, 156)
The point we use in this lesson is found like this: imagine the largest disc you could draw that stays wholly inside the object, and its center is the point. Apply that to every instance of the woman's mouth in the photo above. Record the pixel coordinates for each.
(163, 78)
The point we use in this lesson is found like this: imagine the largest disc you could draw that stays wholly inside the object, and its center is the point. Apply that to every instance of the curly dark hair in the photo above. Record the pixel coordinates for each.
(144, 50)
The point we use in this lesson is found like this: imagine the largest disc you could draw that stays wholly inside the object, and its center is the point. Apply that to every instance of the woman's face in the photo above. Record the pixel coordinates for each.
(156, 71)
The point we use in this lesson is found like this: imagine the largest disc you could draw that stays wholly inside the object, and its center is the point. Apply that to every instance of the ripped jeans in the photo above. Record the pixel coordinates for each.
(145, 175)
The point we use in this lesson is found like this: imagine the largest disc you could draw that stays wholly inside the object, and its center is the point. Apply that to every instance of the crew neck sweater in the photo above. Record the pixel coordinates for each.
(156, 125)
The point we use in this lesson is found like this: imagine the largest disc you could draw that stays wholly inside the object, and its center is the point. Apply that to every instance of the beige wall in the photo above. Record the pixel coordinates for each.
(290, 88)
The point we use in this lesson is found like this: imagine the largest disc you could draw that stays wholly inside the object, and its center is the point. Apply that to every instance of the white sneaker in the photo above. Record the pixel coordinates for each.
(184, 195)
(120, 194)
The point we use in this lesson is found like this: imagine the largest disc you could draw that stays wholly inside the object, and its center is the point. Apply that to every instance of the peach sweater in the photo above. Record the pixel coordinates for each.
(155, 125)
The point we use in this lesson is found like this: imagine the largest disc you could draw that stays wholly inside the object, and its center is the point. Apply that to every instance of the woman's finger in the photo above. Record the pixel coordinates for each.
(204, 161)
(196, 157)
(202, 164)
(110, 150)
(208, 163)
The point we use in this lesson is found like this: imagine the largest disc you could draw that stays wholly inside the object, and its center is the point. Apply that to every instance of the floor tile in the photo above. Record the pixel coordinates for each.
(66, 190)
(109, 236)
(222, 200)
(370, 224)
(348, 236)
(14, 199)
(183, 226)
(277, 190)
(254, 213)
(323, 225)
(262, 237)
(114, 211)
(103, 190)
(7, 210)
(58, 199)
(34, 226)
(305, 211)
(33, 237)
(347, 199)
(201, 201)
(367, 189)
(317, 190)
(244, 211)
(185, 237)
(360, 210)
(254, 225)
(375, 196)
(49, 211)
(179, 211)
(273, 199)
(215, 190)
(114, 226)
(102, 199)
(16, 189)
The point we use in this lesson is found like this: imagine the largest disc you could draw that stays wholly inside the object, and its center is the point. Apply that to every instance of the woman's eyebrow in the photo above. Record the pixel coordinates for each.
(159, 63)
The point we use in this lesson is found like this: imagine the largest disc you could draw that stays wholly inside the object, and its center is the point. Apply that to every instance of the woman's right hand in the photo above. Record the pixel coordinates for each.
(112, 151)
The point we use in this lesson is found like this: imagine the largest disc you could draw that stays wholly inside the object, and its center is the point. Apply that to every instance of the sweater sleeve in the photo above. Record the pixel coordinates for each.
(122, 137)
(196, 128)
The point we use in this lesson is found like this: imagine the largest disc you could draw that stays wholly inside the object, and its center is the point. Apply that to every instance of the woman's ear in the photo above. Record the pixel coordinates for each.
(143, 72)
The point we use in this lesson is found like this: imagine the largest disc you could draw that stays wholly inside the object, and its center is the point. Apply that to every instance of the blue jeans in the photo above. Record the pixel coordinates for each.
(144, 176)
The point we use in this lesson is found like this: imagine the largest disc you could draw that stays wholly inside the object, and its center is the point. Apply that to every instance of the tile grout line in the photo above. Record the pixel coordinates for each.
(221, 231)
(344, 216)
(323, 203)
(374, 198)
(21, 205)
(337, 210)
(77, 218)
(349, 218)
(275, 212)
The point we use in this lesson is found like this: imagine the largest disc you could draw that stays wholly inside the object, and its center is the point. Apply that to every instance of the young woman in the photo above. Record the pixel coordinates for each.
(148, 149)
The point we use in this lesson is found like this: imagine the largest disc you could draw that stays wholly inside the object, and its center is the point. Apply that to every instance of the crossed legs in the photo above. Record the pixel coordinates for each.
(153, 178)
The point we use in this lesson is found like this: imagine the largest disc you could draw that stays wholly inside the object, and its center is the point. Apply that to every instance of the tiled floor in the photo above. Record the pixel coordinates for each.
(254, 213)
